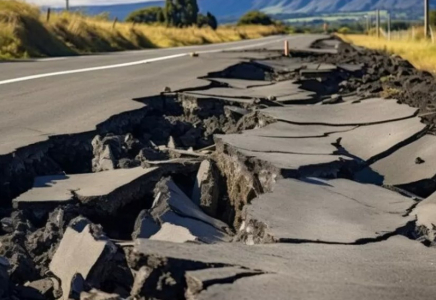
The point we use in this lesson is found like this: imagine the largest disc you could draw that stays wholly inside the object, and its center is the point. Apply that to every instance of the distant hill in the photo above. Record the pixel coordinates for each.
(232, 9)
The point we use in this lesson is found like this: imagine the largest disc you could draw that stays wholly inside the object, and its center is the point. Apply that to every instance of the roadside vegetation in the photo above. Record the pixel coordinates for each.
(26, 32)
(420, 53)
(407, 40)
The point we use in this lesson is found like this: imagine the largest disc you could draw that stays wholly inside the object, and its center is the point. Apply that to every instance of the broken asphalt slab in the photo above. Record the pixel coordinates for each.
(367, 112)
(394, 269)
(81, 257)
(330, 211)
(370, 142)
(322, 146)
(287, 130)
(107, 190)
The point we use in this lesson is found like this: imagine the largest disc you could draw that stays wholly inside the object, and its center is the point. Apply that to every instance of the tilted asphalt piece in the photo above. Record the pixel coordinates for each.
(409, 164)
(172, 206)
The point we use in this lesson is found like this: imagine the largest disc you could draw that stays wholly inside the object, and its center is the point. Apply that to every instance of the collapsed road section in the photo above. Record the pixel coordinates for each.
(307, 177)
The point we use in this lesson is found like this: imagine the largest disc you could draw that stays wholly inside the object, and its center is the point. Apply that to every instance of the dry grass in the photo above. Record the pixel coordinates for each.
(420, 53)
(24, 32)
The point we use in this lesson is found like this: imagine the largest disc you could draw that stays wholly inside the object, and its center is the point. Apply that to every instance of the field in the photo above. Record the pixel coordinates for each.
(26, 32)
(337, 17)
(421, 53)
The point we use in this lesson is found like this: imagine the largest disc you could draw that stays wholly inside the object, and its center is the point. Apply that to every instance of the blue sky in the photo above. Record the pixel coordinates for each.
(55, 3)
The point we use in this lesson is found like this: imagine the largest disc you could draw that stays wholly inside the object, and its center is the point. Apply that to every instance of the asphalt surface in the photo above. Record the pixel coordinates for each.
(48, 97)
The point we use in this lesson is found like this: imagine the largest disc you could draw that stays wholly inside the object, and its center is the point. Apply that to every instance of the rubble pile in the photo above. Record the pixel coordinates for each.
(286, 175)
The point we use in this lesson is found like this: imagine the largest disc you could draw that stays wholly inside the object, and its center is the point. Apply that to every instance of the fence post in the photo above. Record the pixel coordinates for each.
(286, 48)
(114, 23)
(378, 23)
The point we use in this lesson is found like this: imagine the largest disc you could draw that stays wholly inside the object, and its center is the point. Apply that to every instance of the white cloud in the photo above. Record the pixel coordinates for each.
(59, 3)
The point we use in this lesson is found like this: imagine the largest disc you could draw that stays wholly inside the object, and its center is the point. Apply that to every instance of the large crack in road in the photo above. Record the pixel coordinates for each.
(284, 177)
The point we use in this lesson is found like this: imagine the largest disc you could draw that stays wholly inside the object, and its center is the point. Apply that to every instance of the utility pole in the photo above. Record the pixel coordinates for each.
(67, 5)
(389, 26)
(426, 18)
(368, 20)
(378, 23)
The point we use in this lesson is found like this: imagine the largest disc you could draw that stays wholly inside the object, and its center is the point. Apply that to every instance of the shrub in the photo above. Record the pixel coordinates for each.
(344, 30)
(255, 18)
(154, 14)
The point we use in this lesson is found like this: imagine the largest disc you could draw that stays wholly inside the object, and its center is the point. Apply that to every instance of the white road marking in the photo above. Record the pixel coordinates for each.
(129, 64)
(50, 59)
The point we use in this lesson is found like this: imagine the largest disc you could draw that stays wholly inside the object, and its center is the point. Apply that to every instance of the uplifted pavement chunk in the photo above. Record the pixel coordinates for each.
(240, 83)
(82, 256)
(172, 206)
(368, 142)
(399, 268)
(370, 111)
(298, 165)
(107, 190)
(410, 164)
(334, 211)
(279, 90)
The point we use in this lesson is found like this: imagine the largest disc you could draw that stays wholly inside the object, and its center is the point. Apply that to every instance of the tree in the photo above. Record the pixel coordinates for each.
(255, 18)
(154, 14)
(433, 17)
(181, 13)
(207, 20)
(212, 21)
(191, 12)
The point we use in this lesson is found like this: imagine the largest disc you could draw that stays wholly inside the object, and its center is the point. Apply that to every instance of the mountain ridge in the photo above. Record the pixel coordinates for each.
(232, 9)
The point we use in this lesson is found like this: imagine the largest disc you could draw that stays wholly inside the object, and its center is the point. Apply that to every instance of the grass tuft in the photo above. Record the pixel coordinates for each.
(25, 32)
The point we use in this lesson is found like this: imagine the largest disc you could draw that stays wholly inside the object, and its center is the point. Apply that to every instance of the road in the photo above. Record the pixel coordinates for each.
(47, 97)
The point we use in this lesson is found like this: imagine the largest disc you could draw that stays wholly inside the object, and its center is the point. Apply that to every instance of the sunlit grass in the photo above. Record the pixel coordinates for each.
(24, 31)
(419, 52)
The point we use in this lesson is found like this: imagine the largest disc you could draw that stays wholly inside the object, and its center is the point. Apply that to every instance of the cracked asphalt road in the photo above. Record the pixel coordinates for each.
(66, 103)
(259, 189)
